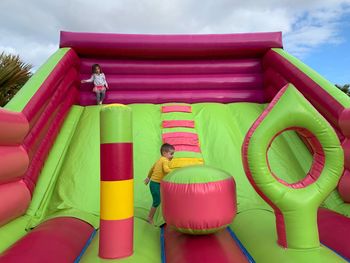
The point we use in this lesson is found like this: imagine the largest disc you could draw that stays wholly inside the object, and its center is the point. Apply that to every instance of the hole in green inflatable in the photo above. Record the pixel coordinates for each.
(289, 157)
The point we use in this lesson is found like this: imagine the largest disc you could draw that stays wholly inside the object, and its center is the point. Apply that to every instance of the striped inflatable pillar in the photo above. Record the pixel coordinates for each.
(117, 199)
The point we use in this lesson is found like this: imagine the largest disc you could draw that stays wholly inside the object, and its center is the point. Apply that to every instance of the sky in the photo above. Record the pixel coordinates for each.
(315, 31)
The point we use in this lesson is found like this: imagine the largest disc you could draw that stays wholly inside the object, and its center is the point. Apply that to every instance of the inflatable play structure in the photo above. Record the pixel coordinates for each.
(261, 168)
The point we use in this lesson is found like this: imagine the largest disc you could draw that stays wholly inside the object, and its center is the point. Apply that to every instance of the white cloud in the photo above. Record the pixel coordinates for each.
(31, 28)
(316, 26)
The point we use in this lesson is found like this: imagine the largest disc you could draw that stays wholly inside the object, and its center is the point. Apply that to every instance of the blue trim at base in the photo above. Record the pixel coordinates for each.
(86, 246)
(346, 259)
(162, 245)
(244, 250)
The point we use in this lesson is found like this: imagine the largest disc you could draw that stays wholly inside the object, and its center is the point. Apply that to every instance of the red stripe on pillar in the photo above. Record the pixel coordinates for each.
(120, 155)
(116, 238)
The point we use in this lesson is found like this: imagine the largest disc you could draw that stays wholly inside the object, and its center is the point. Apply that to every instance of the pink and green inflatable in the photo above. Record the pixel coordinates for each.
(198, 199)
(240, 104)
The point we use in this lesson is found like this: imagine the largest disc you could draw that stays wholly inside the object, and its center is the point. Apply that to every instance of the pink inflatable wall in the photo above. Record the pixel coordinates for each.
(26, 137)
(182, 68)
(46, 112)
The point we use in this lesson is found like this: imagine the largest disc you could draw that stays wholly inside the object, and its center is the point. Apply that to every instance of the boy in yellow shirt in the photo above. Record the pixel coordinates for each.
(156, 174)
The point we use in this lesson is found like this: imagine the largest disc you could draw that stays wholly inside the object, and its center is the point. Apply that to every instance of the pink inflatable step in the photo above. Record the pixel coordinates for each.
(56, 240)
(218, 248)
(178, 123)
(176, 108)
(182, 141)
(187, 148)
(180, 135)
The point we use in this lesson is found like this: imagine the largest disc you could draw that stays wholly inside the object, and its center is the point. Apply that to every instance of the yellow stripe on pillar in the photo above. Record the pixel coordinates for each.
(117, 199)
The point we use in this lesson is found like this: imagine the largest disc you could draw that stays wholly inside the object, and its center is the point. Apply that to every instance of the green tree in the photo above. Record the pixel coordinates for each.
(344, 88)
(13, 74)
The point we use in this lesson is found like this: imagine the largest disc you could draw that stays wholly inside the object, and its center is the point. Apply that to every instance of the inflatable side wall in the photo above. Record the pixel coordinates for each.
(30, 123)
(280, 68)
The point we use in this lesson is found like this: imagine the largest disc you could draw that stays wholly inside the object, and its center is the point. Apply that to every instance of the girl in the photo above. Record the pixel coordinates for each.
(100, 83)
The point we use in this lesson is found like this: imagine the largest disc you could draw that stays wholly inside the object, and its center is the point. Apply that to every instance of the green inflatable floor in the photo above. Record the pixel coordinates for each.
(69, 183)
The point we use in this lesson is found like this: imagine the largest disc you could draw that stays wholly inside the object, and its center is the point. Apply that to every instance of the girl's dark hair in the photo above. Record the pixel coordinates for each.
(94, 66)
(166, 147)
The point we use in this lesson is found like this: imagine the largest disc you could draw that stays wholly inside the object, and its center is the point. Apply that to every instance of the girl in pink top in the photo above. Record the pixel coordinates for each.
(100, 83)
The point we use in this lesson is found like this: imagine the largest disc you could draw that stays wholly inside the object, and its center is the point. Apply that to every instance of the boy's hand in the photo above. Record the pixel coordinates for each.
(146, 181)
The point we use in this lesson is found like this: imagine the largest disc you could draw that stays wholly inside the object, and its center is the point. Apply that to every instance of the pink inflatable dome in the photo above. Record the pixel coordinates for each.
(198, 199)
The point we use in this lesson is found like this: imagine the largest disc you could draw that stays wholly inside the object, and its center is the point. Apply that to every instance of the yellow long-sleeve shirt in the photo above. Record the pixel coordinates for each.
(159, 169)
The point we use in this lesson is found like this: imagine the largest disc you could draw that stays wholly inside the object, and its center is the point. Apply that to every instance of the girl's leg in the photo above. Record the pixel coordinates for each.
(103, 95)
(98, 97)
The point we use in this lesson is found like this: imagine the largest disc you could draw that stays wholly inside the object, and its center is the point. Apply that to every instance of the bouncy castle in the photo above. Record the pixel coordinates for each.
(261, 167)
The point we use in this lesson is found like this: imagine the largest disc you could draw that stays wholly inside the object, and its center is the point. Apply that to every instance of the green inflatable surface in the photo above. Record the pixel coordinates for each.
(69, 183)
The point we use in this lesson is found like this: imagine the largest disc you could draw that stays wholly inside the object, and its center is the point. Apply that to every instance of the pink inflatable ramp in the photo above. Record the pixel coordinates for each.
(56, 240)
(219, 248)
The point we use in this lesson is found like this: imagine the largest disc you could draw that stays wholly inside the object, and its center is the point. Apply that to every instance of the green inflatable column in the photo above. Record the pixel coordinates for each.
(295, 204)
(117, 183)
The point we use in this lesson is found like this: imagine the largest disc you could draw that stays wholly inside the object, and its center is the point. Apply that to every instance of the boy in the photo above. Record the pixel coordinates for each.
(156, 174)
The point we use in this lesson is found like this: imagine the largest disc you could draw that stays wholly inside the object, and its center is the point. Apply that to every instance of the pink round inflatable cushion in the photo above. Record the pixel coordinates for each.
(198, 199)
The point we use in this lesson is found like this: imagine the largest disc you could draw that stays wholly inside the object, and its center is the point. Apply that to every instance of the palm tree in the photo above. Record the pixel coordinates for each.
(13, 74)
(344, 88)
